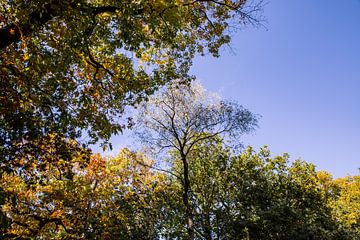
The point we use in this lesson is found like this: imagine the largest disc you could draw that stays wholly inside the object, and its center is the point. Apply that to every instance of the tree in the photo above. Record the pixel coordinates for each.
(115, 198)
(343, 196)
(182, 116)
(249, 195)
(252, 195)
(71, 67)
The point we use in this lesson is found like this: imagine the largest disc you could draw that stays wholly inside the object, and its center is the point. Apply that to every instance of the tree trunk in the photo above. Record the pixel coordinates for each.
(188, 211)
(207, 226)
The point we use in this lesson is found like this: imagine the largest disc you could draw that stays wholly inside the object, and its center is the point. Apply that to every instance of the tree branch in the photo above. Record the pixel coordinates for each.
(13, 33)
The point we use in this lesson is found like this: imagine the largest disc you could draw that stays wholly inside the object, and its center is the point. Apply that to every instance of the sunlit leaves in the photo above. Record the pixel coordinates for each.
(75, 65)
(109, 197)
(253, 195)
(345, 201)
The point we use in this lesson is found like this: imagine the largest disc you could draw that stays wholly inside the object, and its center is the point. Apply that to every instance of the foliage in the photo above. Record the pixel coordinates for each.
(68, 69)
(347, 206)
(255, 196)
(344, 199)
(71, 67)
(114, 198)
(181, 116)
(233, 196)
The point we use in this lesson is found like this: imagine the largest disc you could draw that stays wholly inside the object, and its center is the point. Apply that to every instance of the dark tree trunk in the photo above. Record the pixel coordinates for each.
(208, 226)
(188, 211)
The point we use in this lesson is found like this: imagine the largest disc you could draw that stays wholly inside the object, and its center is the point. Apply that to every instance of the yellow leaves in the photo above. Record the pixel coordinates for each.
(145, 58)
(160, 62)
(12, 183)
(146, 28)
(105, 189)
(26, 57)
(323, 176)
(105, 15)
(6, 208)
(153, 55)
(57, 213)
(324, 180)
(345, 201)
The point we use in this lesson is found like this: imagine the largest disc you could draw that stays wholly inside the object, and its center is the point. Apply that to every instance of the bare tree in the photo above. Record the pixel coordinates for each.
(181, 116)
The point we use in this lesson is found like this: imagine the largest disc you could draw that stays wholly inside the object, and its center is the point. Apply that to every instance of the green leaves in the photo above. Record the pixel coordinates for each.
(253, 195)
(233, 196)
(71, 67)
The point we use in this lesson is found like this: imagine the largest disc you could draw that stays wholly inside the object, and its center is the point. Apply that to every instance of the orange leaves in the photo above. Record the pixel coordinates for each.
(105, 193)
(57, 213)
(96, 168)
(12, 31)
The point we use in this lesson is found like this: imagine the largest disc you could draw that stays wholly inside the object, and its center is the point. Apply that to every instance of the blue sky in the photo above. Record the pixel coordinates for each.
(302, 74)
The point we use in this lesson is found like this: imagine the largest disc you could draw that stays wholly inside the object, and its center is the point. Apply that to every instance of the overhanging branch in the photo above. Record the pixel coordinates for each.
(13, 33)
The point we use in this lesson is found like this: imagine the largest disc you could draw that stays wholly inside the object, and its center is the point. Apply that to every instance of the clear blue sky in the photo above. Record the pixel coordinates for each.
(302, 74)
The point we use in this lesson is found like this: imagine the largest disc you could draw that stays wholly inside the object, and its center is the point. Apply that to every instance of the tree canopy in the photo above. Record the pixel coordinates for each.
(255, 196)
(250, 195)
(71, 67)
(181, 116)
(68, 71)
(113, 198)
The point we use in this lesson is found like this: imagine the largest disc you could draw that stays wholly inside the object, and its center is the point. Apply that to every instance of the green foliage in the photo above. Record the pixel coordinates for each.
(68, 69)
(71, 67)
(233, 196)
(181, 116)
(255, 196)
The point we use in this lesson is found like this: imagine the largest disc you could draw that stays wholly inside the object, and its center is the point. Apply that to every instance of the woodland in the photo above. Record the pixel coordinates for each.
(75, 73)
